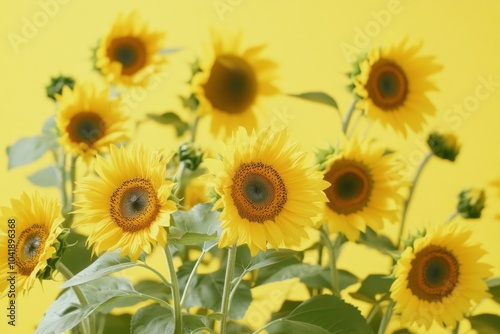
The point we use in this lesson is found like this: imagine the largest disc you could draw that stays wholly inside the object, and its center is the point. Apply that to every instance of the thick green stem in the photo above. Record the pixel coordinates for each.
(373, 313)
(175, 291)
(348, 116)
(87, 324)
(386, 318)
(420, 168)
(231, 259)
(332, 248)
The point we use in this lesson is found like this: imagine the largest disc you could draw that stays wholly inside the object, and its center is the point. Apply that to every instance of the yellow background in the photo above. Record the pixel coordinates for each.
(305, 38)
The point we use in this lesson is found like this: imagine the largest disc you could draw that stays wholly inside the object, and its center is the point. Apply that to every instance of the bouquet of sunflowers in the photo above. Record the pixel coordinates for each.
(241, 233)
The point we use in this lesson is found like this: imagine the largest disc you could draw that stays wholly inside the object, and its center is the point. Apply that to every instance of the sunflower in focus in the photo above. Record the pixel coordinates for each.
(365, 190)
(392, 85)
(129, 205)
(89, 121)
(36, 222)
(130, 53)
(267, 193)
(230, 83)
(438, 277)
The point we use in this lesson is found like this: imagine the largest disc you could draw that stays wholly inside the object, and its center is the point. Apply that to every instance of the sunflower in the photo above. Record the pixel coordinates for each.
(89, 121)
(130, 53)
(366, 185)
(267, 193)
(129, 205)
(196, 193)
(27, 237)
(230, 83)
(392, 85)
(438, 277)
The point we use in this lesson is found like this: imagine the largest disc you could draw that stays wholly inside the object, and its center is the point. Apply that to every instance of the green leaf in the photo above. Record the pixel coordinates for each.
(494, 288)
(153, 288)
(485, 323)
(171, 118)
(107, 264)
(325, 314)
(297, 327)
(318, 97)
(372, 286)
(27, 150)
(152, 319)
(103, 295)
(191, 322)
(47, 177)
(178, 236)
(116, 323)
(206, 291)
(379, 242)
(199, 220)
(270, 257)
(77, 257)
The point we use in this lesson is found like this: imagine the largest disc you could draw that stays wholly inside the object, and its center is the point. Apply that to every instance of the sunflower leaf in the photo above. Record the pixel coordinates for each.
(485, 323)
(318, 97)
(323, 314)
(494, 288)
(378, 242)
(107, 264)
(46, 177)
(29, 149)
(372, 286)
(171, 118)
(152, 319)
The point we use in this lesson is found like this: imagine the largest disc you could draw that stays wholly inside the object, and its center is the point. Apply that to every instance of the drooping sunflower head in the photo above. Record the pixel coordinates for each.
(28, 234)
(130, 53)
(366, 185)
(129, 204)
(89, 121)
(231, 82)
(439, 277)
(267, 193)
(393, 83)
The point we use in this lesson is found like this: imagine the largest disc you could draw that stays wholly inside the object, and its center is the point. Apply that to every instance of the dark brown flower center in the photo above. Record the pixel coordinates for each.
(134, 205)
(29, 247)
(387, 85)
(351, 186)
(434, 273)
(86, 127)
(130, 52)
(258, 192)
(232, 85)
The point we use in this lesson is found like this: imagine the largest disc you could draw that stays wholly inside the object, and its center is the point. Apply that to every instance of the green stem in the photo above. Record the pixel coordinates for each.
(373, 313)
(180, 171)
(332, 248)
(231, 259)
(451, 216)
(193, 272)
(456, 329)
(194, 127)
(175, 291)
(87, 324)
(420, 168)
(163, 279)
(64, 195)
(267, 325)
(72, 178)
(348, 115)
(386, 318)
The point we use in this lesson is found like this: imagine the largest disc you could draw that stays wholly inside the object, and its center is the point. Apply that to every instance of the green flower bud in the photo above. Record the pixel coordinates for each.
(444, 146)
(60, 244)
(471, 203)
(191, 155)
(56, 85)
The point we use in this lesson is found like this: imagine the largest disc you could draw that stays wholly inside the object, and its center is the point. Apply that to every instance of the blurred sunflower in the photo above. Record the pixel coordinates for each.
(37, 226)
(128, 206)
(89, 121)
(267, 193)
(130, 53)
(392, 85)
(196, 193)
(438, 277)
(366, 185)
(230, 83)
